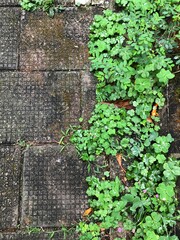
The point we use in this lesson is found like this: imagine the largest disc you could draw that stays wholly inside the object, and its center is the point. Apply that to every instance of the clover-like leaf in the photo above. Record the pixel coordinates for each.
(166, 191)
(142, 84)
(164, 76)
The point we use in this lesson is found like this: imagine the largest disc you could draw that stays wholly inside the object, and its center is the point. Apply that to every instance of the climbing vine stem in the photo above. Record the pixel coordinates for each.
(132, 57)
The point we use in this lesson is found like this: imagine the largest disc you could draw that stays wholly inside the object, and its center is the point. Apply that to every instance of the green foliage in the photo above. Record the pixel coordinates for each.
(131, 55)
(45, 5)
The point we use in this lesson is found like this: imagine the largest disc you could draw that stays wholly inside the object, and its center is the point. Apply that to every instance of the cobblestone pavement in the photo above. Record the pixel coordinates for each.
(45, 87)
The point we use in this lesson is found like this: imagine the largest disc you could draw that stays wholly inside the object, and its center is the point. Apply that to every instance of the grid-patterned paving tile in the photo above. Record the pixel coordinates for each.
(48, 235)
(55, 43)
(34, 107)
(9, 37)
(9, 2)
(9, 186)
(53, 186)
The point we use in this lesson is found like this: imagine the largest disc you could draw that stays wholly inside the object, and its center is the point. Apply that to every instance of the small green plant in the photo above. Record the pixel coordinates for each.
(47, 6)
(31, 230)
(23, 144)
(131, 55)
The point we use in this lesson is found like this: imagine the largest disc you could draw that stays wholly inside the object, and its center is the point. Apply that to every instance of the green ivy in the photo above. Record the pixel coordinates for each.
(131, 53)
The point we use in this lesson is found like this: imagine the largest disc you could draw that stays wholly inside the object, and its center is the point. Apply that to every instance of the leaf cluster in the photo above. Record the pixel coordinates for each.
(131, 57)
(47, 6)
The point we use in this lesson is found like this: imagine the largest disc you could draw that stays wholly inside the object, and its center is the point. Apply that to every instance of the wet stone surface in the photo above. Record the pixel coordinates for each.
(88, 96)
(65, 2)
(39, 236)
(36, 106)
(9, 186)
(9, 2)
(61, 42)
(53, 186)
(9, 37)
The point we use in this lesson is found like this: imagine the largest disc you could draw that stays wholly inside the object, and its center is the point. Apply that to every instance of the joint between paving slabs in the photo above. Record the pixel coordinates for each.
(22, 150)
(10, 6)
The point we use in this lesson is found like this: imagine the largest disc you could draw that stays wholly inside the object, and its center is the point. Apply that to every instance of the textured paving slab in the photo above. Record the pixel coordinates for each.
(8, 2)
(174, 113)
(55, 43)
(39, 236)
(9, 186)
(88, 97)
(9, 36)
(36, 106)
(53, 186)
(65, 2)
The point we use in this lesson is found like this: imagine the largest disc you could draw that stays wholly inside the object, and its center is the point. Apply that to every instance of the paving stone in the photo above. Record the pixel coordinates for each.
(55, 43)
(9, 187)
(53, 186)
(9, 2)
(88, 95)
(39, 236)
(65, 2)
(35, 106)
(10, 26)
(174, 113)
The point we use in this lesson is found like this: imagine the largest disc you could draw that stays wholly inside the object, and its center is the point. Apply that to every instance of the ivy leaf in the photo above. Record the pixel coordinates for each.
(164, 76)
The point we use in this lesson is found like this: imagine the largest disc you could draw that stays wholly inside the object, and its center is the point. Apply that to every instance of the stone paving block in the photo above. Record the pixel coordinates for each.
(53, 186)
(35, 106)
(9, 37)
(174, 113)
(65, 2)
(9, 186)
(39, 236)
(88, 95)
(9, 2)
(55, 43)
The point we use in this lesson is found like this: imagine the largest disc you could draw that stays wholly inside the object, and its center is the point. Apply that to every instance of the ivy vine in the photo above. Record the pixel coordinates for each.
(131, 53)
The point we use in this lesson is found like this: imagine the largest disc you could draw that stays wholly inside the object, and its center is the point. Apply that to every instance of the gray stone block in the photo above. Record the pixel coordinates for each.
(88, 95)
(65, 2)
(53, 186)
(58, 235)
(58, 43)
(9, 2)
(9, 187)
(35, 106)
(9, 37)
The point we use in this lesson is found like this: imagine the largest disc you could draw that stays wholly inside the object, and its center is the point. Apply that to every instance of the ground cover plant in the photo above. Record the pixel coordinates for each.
(132, 57)
(47, 6)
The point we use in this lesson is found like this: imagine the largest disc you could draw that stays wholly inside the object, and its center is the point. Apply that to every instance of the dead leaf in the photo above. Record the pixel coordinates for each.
(149, 119)
(119, 160)
(154, 111)
(121, 104)
(87, 212)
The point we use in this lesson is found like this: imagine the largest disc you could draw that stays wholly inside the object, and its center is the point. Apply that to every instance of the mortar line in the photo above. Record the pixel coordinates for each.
(81, 95)
(19, 41)
(10, 6)
(43, 71)
(20, 185)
